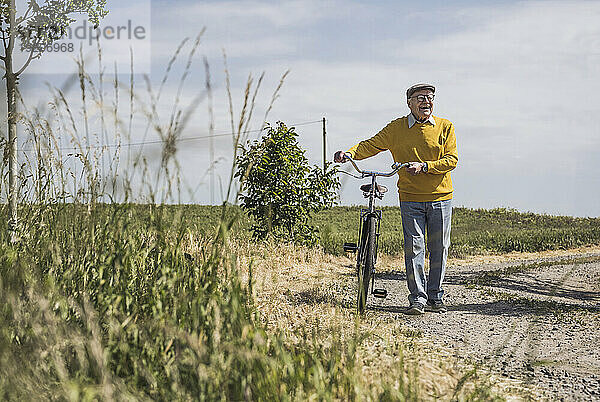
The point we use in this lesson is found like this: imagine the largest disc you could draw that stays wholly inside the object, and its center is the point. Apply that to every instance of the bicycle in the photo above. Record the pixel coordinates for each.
(369, 225)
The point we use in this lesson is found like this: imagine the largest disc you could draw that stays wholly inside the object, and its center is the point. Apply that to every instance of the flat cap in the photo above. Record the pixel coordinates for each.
(418, 87)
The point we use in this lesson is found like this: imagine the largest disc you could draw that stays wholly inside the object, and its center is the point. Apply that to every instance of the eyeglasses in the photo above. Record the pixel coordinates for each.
(421, 98)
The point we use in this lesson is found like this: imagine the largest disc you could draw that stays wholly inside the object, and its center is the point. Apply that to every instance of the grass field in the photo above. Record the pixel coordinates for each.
(138, 301)
(474, 231)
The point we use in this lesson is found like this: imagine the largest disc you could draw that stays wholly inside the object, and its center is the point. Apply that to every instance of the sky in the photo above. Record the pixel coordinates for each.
(517, 79)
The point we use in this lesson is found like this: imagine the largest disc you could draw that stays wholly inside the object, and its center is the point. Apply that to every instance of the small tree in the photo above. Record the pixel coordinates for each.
(278, 187)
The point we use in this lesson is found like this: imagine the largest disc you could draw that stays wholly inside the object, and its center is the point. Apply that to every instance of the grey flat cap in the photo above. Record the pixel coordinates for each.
(417, 87)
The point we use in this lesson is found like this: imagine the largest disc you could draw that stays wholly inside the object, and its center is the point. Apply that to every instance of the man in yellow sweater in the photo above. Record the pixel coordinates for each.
(425, 189)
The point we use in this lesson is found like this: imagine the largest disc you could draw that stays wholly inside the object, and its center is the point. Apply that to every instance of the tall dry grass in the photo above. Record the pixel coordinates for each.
(100, 299)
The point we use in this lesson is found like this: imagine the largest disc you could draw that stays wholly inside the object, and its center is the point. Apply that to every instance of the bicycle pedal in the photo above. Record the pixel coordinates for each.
(350, 247)
(381, 293)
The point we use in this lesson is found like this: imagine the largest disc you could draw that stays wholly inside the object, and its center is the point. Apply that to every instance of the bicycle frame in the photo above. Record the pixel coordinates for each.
(369, 225)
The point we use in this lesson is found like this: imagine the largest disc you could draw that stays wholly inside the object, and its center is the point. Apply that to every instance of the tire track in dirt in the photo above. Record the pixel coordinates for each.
(537, 321)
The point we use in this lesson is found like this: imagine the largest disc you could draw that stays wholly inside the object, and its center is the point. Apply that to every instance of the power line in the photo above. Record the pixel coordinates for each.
(201, 137)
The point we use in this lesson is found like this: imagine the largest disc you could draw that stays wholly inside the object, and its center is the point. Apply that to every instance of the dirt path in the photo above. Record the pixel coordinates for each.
(533, 320)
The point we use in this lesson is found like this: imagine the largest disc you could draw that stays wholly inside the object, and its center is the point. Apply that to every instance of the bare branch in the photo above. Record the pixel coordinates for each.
(29, 58)
(24, 17)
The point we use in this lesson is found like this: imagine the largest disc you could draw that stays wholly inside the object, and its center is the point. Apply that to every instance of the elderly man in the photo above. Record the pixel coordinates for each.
(425, 188)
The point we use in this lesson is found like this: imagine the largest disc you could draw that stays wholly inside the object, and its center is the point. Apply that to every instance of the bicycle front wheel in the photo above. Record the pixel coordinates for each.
(366, 261)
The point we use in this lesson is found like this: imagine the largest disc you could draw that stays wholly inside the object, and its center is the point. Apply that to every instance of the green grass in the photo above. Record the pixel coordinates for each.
(474, 231)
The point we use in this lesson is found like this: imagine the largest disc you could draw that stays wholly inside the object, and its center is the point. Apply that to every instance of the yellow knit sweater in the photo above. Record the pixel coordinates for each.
(423, 142)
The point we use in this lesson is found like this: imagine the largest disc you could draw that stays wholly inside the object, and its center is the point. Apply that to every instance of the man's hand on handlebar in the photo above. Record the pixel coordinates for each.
(340, 157)
(414, 168)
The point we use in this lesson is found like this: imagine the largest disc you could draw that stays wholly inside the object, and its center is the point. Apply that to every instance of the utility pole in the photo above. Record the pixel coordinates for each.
(211, 132)
(324, 146)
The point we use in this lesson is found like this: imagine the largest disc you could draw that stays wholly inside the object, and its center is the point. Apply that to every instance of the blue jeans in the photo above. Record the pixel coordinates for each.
(417, 217)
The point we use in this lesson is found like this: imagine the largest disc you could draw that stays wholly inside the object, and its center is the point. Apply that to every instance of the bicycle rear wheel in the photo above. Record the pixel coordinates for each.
(366, 261)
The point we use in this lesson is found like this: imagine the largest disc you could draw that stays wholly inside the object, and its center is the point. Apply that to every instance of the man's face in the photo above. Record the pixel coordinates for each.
(423, 108)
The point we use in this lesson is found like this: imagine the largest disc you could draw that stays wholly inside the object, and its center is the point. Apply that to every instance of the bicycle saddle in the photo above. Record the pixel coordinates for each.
(367, 188)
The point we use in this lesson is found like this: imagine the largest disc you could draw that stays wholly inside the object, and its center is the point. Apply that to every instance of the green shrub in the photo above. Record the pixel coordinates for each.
(280, 190)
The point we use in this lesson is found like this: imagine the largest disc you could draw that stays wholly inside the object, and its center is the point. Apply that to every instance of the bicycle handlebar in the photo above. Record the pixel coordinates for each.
(364, 173)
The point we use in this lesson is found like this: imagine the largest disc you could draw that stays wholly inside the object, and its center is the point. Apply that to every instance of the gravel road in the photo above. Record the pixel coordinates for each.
(537, 321)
